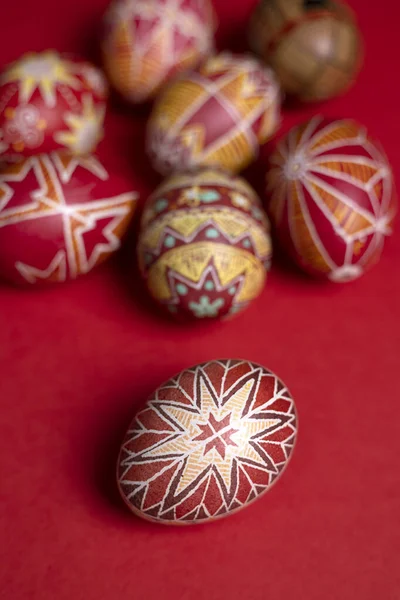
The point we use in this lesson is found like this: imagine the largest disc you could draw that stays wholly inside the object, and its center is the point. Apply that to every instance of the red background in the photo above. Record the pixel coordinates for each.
(77, 361)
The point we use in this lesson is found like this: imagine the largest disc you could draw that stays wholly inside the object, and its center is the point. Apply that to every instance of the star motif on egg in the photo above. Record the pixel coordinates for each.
(214, 432)
(105, 217)
(85, 130)
(43, 71)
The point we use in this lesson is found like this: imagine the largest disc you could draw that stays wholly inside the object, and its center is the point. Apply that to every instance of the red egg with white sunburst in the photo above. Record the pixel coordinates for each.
(208, 442)
(60, 216)
(331, 197)
(50, 101)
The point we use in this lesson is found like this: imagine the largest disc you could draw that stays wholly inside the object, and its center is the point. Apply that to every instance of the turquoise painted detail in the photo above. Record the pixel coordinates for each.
(148, 258)
(232, 290)
(246, 243)
(257, 213)
(169, 241)
(212, 233)
(181, 289)
(205, 308)
(209, 196)
(160, 205)
(235, 309)
(209, 285)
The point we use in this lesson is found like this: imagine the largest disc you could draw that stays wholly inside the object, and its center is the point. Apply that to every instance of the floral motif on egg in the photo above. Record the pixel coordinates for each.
(50, 102)
(60, 216)
(200, 253)
(208, 442)
(215, 116)
(331, 197)
(147, 42)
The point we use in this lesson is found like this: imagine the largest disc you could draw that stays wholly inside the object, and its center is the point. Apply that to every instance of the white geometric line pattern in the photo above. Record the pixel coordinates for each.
(240, 90)
(56, 271)
(54, 207)
(331, 190)
(207, 443)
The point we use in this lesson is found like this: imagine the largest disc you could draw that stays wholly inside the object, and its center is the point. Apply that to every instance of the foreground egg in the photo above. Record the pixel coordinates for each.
(207, 443)
(331, 198)
(215, 116)
(48, 102)
(204, 246)
(314, 46)
(60, 216)
(147, 42)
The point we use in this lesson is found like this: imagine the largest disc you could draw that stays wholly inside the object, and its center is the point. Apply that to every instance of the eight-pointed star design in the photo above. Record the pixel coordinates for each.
(209, 429)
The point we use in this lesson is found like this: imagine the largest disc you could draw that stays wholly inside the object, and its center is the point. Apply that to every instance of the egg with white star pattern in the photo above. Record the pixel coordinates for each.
(50, 101)
(204, 247)
(207, 443)
(60, 216)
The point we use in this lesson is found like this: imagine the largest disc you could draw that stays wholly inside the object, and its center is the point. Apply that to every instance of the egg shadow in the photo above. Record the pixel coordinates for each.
(97, 472)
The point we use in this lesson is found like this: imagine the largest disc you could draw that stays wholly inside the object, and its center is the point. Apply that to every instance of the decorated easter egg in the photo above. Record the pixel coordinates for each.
(60, 216)
(147, 42)
(331, 197)
(48, 102)
(217, 115)
(204, 246)
(208, 442)
(314, 46)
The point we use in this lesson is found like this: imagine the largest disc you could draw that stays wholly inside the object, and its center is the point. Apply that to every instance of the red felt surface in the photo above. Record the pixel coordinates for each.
(76, 362)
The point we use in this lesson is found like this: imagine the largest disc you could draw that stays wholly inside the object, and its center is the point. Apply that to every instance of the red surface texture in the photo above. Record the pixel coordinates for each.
(79, 359)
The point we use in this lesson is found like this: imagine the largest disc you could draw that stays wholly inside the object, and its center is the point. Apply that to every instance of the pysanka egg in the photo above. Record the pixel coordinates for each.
(60, 216)
(331, 197)
(48, 102)
(208, 443)
(217, 115)
(204, 246)
(314, 46)
(147, 42)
